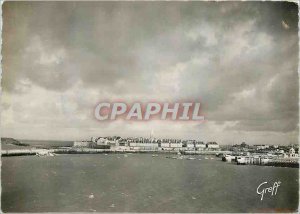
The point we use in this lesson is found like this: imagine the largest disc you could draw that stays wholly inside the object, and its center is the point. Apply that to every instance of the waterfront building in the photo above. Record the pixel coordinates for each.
(199, 145)
(81, 143)
(165, 146)
(122, 142)
(212, 146)
(132, 144)
(292, 153)
(101, 141)
(262, 147)
(190, 145)
(176, 145)
(143, 144)
(149, 146)
(118, 144)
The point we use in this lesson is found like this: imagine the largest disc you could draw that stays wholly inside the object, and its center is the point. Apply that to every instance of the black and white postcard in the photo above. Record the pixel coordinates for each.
(150, 107)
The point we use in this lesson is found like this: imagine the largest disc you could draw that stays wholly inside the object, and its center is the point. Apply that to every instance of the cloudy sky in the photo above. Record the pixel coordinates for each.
(238, 59)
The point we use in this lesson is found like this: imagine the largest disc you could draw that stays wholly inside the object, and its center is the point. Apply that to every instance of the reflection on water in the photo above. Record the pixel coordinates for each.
(141, 183)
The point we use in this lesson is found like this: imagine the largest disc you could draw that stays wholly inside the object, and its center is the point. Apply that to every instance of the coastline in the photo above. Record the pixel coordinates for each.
(19, 152)
(277, 162)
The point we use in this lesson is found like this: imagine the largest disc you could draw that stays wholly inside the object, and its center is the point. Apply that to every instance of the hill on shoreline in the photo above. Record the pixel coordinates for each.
(12, 141)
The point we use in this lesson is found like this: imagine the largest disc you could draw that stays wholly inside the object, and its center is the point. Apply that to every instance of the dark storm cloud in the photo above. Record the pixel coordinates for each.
(239, 59)
(101, 38)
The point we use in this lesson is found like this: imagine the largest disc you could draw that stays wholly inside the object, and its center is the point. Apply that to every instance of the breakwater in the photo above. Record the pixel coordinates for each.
(22, 152)
(72, 150)
(280, 162)
(205, 152)
(284, 162)
(266, 161)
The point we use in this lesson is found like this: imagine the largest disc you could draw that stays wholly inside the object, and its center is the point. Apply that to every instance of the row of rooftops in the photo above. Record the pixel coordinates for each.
(152, 140)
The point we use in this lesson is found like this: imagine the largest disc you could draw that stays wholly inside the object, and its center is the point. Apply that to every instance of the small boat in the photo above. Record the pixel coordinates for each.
(154, 155)
(206, 158)
(45, 153)
(241, 161)
(191, 158)
(228, 158)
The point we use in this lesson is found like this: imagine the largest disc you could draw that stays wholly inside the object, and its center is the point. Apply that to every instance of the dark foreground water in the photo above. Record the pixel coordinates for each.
(141, 183)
